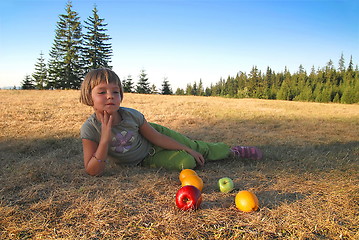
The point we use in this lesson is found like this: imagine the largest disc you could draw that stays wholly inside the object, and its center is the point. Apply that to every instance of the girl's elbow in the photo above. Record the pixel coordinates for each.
(93, 172)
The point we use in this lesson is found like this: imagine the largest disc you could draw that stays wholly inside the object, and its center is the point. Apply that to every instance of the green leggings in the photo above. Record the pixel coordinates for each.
(178, 160)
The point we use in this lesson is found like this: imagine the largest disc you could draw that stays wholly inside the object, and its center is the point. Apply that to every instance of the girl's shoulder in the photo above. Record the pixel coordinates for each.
(130, 111)
(130, 114)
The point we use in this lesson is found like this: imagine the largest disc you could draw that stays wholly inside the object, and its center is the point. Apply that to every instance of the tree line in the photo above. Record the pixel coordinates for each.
(327, 84)
(74, 53)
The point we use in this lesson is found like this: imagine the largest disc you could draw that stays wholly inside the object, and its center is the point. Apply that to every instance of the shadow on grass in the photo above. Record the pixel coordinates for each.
(274, 198)
(268, 199)
(47, 164)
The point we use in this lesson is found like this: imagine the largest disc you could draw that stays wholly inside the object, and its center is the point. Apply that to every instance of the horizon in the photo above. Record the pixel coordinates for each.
(185, 41)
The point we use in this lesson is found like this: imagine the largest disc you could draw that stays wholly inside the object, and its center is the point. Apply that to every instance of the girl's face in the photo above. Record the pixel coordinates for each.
(106, 97)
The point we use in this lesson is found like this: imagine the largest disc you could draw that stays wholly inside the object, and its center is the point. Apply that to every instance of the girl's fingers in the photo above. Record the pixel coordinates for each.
(201, 160)
(105, 117)
(110, 119)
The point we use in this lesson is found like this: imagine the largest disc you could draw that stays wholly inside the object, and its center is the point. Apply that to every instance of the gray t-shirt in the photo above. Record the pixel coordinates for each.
(127, 146)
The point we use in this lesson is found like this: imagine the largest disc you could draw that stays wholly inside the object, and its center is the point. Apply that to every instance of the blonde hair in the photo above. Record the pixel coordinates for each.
(94, 78)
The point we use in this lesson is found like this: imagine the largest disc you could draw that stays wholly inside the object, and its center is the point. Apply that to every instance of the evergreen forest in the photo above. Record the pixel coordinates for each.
(74, 52)
(327, 84)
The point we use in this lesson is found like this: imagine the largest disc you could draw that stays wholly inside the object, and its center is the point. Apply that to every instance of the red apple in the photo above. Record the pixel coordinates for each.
(188, 198)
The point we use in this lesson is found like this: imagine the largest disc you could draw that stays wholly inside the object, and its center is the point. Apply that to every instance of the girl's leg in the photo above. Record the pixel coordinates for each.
(171, 160)
(178, 160)
(210, 151)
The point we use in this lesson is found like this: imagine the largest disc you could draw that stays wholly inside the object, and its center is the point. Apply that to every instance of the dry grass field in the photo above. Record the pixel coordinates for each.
(307, 184)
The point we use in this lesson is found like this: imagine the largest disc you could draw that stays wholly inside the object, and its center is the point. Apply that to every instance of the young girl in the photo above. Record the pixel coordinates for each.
(124, 136)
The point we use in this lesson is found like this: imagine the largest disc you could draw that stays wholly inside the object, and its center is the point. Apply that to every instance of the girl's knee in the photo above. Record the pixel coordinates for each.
(171, 160)
(185, 163)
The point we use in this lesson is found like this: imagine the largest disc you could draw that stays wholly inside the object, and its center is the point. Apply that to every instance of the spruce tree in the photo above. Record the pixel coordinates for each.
(127, 84)
(254, 83)
(284, 92)
(180, 91)
(97, 52)
(166, 88)
(349, 95)
(336, 98)
(40, 74)
(65, 64)
(341, 66)
(200, 88)
(194, 90)
(27, 83)
(189, 89)
(153, 89)
(208, 92)
(143, 86)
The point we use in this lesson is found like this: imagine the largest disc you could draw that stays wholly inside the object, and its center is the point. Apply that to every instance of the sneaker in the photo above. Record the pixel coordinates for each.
(247, 152)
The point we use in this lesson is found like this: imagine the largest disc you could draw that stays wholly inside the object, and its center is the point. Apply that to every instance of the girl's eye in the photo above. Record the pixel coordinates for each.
(116, 92)
(101, 92)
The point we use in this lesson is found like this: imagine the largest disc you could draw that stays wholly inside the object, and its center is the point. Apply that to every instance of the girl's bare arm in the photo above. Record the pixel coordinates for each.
(95, 154)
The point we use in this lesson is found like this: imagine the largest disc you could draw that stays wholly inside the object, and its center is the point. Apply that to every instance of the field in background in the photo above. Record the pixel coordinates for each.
(307, 184)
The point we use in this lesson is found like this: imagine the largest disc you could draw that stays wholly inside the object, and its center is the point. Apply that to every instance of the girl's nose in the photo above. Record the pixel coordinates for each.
(110, 96)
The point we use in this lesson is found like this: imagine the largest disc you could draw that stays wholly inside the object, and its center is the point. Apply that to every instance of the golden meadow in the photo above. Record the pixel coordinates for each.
(307, 184)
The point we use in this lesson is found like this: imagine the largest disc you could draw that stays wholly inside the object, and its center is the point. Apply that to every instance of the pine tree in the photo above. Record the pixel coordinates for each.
(341, 66)
(200, 88)
(208, 92)
(65, 64)
(231, 86)
(283, 93)
(40, 74)
(194, 90)
(153, 89)
(327, 94)
(189, 89)
(97, 53)
(254, 82)
(348, 95)
(143, 86)
(27, 83)
(356, 88)
(350, 66)
(336, 98)
(127, 84)
(166, 88)
(180, 91)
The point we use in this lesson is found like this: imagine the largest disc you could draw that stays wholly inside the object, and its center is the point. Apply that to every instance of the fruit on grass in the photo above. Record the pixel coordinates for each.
(188, 198)
(246, 201)
(186, 172)
(225, 184)
(193, 180)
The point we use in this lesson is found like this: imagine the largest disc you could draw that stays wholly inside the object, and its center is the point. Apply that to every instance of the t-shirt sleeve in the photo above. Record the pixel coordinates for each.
(136, 116)
(88, 131)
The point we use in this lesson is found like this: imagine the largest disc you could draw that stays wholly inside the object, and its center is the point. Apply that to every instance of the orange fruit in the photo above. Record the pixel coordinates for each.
(246, 201)
(193, 180)
(186, 172)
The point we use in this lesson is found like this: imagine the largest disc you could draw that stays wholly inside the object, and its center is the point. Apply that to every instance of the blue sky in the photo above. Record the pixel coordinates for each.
(189, 40)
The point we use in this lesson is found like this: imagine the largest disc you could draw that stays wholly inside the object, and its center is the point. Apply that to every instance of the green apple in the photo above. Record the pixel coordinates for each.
(225, 184)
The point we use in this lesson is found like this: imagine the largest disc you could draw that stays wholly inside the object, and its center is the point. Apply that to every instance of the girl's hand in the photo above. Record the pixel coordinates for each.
(197, 156)
(93, 152)
(106, 121)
